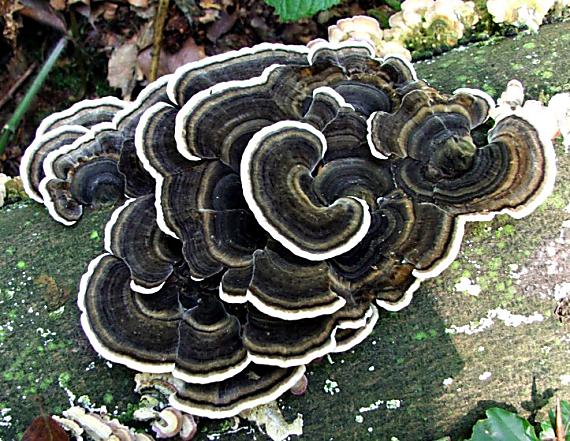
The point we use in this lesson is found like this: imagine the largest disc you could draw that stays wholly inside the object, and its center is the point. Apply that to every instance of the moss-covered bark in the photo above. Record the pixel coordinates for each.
(414, 378)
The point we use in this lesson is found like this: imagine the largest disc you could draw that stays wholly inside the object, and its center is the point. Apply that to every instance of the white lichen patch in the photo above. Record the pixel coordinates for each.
(561, 290)
(216, 436)
(466, 285)
(374, 406)
(331, 387)
(269, 417)
(501, 314)
(5, 417)
(565, 379)
(393, 404)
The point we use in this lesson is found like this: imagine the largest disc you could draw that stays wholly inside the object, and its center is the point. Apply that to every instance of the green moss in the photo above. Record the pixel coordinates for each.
(495, 263)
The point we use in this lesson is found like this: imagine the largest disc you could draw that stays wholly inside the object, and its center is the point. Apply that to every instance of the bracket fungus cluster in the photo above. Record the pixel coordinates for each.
(276, 196)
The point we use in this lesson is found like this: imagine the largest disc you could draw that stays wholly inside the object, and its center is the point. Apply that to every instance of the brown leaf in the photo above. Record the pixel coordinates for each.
(168, 63)
(44, 428)
(122, 67)
(139, 3)
(58, 5)
(109, 10)
(43, 13)
(221, 26)
(11, 23)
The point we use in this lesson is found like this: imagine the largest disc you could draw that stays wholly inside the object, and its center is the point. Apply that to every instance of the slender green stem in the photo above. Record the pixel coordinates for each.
(10, 128)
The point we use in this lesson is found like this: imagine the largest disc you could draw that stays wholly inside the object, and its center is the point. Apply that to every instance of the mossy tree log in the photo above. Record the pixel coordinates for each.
(428, 371)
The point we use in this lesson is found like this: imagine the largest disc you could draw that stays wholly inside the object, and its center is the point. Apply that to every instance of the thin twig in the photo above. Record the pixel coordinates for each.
(560, 432)
(17, 85)
(159, 22)
(10, 128)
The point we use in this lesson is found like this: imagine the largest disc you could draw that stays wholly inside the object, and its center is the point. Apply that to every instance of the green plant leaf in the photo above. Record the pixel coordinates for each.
(394, 4)
(291, 10)
(502, 425)
(547, 426)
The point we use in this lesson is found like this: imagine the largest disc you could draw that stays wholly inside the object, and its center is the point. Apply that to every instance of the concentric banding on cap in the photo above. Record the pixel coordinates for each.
(151, 333)
(289, 288)
(119, 325)
(234, 65)
(86, 113)
(252, 387)
(277, 342)
(72, 170)
(133, 235)
(357, 334)
(346, 221)
(423, 111)
(156, 149)
(31, 165)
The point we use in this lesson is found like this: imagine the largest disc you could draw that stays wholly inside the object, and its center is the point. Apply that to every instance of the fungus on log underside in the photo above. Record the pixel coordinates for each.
(277, 196)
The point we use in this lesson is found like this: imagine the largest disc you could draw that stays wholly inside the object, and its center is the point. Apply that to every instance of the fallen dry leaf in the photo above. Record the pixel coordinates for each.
(221, 26)
(58, 5)
(11, 23)
(42, 12)
(109, 10)
(139, 3)
(44, 428)
(168, 63)
(122, 68)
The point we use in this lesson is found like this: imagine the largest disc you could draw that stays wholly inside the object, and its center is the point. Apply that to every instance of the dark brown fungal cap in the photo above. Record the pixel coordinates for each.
(83, 173)
(288, 287)
(366, 179)
(206, 210)
(152, 333)
(243, 64)
(86, 113)
(283, 93)
(234, 284)
(252, 387)
(139, 331)
(32, 164)
(509, 174)
(138, 181)
(425, 114)
(154, 140)
(210, 348)
(133, 235)
(278, 342)
(278, 187)
(292, 191)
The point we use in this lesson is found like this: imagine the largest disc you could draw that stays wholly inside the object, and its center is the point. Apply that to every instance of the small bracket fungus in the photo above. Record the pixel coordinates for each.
(276, 197)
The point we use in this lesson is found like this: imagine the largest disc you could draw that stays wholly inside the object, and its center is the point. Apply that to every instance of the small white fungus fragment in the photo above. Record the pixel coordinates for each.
(485, 376)
(448, 381)
(393, 404)
(359, 419)
(508, 318)
(565, 379)
(331, 387)
(561, 290)
(465, 285)
(373, 406)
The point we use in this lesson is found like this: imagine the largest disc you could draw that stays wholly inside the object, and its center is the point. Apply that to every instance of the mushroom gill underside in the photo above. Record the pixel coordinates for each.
(269, 201)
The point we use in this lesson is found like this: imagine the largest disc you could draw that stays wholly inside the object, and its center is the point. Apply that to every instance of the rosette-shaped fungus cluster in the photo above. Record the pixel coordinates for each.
(276, 197)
